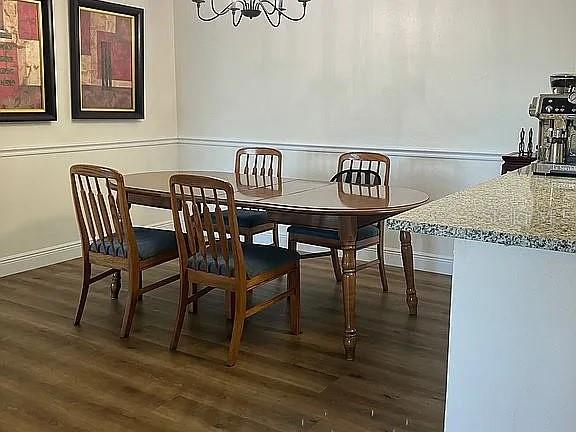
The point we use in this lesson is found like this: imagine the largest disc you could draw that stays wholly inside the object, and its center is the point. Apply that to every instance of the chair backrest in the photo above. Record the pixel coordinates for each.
(366, 161)
(360, 177)
(101, 207)
(262, 161)
(198, 206)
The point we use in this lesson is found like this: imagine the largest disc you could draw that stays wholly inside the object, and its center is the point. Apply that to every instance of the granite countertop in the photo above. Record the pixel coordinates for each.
(517, 209)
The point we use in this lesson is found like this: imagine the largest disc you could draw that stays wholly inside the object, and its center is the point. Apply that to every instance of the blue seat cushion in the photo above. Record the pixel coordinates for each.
(257, 258)
(364, 233)
(151, 242)
(247, 218)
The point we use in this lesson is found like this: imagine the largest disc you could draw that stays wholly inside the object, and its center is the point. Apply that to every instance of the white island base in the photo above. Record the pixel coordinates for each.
(512, 351)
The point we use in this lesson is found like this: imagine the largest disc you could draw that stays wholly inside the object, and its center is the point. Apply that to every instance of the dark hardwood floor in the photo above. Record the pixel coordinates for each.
(55, 377)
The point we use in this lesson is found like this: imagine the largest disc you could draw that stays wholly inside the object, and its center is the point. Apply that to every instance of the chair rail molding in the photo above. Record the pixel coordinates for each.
(340, 148)
(38, 150)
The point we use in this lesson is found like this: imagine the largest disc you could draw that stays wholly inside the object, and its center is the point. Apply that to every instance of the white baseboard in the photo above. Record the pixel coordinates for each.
(422, 261)
(48, 256)
(64, 252)
(39, 258)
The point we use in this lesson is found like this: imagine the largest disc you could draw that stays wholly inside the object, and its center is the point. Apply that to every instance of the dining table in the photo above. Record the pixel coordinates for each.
(320, 204)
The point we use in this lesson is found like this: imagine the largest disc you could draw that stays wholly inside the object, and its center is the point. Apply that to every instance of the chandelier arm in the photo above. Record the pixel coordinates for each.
(222, 11)
(266, 2)
(215, 16)
(227, 8)
(267, 15)
(295, 19)
(212, 18)
(236, 23)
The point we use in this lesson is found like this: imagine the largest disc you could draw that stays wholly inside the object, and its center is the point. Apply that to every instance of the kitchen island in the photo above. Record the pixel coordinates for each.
(512, 348)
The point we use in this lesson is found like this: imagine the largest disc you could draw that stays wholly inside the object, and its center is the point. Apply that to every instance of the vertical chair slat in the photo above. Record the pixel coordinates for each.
(246, 164)
(208, 227)
(270, 166)
(117, 221)
(263, 166)
(256, 164)
(198, 226)
(193, 241)
(87, 214)
(222, 231)
(95, 211)
(104, 214)
(210, 232)
(196, 235)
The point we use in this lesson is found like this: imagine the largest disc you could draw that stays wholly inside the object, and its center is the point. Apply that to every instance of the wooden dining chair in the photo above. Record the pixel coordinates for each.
(364, 169)
(212, 255)
(264, 162)
(110, 240)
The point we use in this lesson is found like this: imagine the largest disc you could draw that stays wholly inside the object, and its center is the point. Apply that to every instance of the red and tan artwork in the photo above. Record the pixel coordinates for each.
(106, 61)
(21, 68)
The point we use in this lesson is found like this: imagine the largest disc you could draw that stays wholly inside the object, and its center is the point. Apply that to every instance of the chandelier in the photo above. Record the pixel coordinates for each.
(273, 10)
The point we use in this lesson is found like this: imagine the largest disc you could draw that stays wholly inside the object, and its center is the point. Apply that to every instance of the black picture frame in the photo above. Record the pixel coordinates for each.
(75, 58)
(49, 74)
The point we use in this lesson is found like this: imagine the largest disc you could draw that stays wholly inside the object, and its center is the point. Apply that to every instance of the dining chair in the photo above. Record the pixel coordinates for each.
(212, 255)
(363, 169)
(110, 240)
(263, 162)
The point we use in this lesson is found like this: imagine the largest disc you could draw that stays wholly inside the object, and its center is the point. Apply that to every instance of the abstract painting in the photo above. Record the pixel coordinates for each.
(27, 90)
(107, 60)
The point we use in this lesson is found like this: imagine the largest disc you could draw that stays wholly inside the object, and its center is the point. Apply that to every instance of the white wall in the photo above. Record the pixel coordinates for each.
(442, 86)
(455, 76)
(37, 224)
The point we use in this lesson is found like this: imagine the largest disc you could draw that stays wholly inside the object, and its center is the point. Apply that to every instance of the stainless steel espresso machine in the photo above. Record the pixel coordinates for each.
(556, 112)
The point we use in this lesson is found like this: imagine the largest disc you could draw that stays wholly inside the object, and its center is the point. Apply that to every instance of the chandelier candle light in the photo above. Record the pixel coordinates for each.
(273, 10)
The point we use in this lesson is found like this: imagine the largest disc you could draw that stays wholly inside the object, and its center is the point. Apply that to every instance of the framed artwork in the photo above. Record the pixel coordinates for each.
(106, 60)
(27, 78)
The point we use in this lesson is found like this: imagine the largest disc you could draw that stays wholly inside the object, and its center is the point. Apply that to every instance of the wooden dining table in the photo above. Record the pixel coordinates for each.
(340, 206)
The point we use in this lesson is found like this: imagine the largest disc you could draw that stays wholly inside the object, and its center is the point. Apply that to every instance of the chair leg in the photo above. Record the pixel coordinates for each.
(86, 274)
(229, 302)
(381, 259)
(116, 285)
(239, 319)
(194, 308)
(182, 306)
(131, 302)
(248, 239)
(336, 264)
(294, 300)
(276, 235)
(382, 268)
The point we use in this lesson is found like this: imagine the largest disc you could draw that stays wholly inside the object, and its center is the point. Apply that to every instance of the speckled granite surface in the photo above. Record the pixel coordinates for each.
(517, 209)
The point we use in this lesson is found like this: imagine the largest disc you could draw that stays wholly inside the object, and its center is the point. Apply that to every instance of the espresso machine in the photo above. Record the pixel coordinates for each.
(556, 112)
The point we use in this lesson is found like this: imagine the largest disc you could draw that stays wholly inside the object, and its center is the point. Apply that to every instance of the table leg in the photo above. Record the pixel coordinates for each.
(408, 261)
(348, 232)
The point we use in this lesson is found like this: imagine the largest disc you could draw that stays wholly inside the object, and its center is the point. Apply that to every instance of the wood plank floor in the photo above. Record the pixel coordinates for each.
(55, 377)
